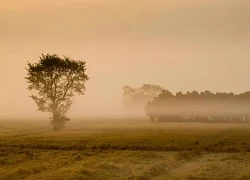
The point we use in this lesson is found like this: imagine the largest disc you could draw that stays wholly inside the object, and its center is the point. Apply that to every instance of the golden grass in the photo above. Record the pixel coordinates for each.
(124, 149)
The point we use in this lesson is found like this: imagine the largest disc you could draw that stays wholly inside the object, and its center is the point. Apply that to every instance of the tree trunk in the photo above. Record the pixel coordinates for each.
(55, 119)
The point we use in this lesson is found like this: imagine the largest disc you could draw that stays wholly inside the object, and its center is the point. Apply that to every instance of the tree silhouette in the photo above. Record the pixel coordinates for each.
(56, 80)
(139, 96)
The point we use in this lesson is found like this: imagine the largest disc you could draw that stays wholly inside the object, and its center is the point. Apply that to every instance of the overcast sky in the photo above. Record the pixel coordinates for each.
(179, 44)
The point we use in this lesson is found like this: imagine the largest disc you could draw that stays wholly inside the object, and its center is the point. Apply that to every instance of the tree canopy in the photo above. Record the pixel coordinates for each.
(56, 80)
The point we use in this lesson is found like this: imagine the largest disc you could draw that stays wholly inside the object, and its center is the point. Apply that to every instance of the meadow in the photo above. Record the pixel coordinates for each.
(129, 149)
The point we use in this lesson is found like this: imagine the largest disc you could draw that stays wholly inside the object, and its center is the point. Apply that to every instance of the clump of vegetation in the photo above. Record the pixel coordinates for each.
(29, 154)
(187, 155)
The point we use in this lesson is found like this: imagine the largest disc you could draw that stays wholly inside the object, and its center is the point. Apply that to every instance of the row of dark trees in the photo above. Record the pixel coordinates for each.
(205, 94)
(203, 106)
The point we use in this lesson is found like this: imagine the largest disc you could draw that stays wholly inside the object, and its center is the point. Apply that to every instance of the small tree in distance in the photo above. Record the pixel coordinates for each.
(139, 96)
(56, 80)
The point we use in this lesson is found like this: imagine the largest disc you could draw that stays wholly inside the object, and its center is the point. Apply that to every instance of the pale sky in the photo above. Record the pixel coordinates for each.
(179, 44)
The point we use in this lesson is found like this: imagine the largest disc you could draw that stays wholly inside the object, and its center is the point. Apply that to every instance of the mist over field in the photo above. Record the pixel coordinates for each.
(180, 45)
(124, 89)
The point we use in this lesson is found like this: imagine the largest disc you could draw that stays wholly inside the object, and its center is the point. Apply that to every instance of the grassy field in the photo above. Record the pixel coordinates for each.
(124, 149)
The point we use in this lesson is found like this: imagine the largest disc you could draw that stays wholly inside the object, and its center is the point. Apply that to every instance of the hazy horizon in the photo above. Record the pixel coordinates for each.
(181, 45)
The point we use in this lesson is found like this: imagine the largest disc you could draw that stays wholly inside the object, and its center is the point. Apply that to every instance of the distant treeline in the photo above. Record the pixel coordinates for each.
(206, 94)
(199, 106)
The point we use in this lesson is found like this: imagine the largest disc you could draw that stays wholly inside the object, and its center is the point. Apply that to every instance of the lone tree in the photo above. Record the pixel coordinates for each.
(56, 80)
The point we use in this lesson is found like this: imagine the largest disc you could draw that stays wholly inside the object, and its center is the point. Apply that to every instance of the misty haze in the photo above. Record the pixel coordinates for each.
(129, 89)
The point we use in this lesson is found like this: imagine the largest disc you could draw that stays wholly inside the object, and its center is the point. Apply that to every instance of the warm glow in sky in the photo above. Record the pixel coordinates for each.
(179, 44)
